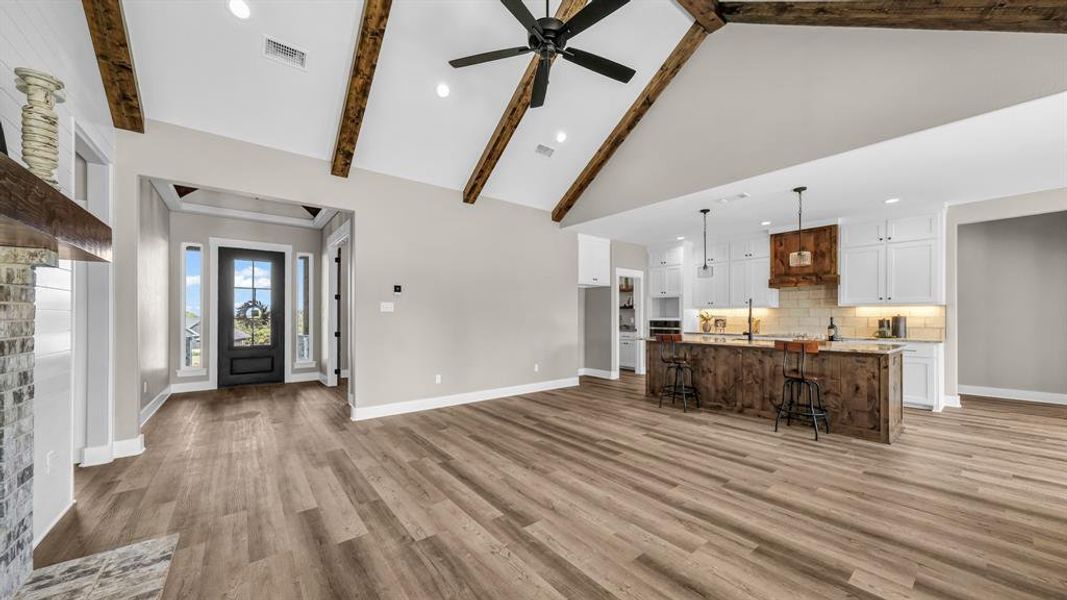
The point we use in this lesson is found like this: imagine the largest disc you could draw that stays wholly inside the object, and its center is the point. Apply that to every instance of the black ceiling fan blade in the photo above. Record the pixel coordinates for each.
(484, 57)
(540, 84)
(590, 15)
(524, 16)
(599, 64)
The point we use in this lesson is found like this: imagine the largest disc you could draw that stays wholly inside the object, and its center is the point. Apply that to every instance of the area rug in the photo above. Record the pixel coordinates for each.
(134, 572)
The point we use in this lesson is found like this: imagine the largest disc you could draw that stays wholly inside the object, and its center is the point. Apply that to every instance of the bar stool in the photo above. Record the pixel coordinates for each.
(797, 381)
(676, 364)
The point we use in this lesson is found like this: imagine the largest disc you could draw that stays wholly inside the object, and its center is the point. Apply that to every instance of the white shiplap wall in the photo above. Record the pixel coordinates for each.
(53, 37)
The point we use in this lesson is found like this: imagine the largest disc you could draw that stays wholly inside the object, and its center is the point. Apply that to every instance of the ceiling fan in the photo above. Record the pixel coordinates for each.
(548, 39)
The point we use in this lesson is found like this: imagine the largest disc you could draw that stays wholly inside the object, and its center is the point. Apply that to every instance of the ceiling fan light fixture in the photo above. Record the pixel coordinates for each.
(240, 9)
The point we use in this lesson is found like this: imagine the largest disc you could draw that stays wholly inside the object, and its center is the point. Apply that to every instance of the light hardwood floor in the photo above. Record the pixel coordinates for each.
(590, 492)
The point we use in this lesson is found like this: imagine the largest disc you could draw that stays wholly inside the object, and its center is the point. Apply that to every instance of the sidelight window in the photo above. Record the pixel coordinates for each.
(192, 309)
(304, 308)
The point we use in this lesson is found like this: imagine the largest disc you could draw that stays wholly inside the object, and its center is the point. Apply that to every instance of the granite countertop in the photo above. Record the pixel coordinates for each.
(773, 336)
(853, 347)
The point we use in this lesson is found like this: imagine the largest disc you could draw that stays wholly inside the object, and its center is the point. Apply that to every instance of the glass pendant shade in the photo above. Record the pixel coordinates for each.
(801, 258)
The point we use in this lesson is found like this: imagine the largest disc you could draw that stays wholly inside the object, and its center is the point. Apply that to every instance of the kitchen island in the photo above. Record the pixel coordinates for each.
(862, 382)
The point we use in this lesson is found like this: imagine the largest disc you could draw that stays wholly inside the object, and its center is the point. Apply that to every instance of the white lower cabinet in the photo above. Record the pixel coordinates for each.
(922, 376)
(627, 353)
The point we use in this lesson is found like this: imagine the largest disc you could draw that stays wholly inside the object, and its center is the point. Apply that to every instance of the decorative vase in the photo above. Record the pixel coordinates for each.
(40, 123)
(705, 326)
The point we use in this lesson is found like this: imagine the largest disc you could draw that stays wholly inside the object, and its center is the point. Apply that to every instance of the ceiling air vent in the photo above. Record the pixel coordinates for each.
(544, 150)
(284, 53)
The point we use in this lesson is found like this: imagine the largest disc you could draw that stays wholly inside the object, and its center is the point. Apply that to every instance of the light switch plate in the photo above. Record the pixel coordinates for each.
(387, 307)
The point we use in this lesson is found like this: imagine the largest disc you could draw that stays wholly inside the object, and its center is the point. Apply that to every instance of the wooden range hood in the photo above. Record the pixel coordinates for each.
(821, 242)
(33, 214)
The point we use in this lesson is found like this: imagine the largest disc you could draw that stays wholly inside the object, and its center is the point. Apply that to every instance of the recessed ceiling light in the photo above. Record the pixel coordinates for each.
(892, 201)
(561, 136)
(240, 9)
(443, 90)
(765, 223)
(680, 238)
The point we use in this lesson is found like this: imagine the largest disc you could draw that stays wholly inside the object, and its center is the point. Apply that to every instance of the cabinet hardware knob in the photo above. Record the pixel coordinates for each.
(879, 297)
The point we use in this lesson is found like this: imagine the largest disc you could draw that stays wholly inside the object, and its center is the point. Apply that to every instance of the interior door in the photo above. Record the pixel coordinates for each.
(252, 317)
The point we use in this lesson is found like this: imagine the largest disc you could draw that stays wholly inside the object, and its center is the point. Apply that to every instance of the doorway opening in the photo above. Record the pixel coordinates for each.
(628, 336)
(338, 311)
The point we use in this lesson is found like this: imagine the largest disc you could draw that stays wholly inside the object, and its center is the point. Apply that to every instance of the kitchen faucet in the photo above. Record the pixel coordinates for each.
(750, 319)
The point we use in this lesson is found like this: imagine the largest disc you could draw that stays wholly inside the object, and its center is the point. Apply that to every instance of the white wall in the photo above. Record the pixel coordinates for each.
(1036, 203)
(153, 279)
(1012, 287)
(489, 289)
(53, 37)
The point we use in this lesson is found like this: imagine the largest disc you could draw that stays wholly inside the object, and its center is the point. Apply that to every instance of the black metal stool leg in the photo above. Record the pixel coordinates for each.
(811, 408)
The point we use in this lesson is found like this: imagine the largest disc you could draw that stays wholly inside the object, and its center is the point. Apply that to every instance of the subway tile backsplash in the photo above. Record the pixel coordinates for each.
(808, 311)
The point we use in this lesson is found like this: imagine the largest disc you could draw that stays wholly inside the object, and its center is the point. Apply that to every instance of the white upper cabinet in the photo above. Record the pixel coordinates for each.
(712, 292)
(862, 275)
(717, 254)
(755, 247)
(909, 229)
(912, 272)
(898, 261)
(749, 279)
(666, 257)
(594, 261)
(665, 282)
(862, 234)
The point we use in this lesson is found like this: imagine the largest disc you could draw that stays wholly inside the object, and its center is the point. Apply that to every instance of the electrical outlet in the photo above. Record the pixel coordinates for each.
(48, 462)
(437, 379)
(537, 367)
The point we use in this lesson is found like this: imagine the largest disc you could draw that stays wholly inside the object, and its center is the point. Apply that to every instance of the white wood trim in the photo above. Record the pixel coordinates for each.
(129, 447)
(300, 377)
(410, 406)
(598, 373)
(949, 402)
(192, 386)
(151, 408)
(323, 379)
(40, 535)
(310, 362)
(1010, 394)
(305, 364)
(339, 237)
(213, 298)
(184, 370)
(324, 216)
(96, 455)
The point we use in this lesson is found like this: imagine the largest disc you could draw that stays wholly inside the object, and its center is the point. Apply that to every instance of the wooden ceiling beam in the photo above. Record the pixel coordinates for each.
(513, 114)
(706, 12)
(670, 67)
(1029, 16)
(107, 28)
(371, 33)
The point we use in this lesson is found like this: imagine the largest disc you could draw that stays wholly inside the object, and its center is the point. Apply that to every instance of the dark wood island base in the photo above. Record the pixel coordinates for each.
(862, 382)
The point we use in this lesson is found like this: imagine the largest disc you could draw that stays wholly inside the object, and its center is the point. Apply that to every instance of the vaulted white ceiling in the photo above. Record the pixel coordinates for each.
(753, 99)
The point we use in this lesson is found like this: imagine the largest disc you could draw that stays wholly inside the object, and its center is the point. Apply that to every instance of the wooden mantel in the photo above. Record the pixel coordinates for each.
(33, 214)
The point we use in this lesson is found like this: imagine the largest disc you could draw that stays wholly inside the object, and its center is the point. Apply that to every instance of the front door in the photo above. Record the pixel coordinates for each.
(252, 310)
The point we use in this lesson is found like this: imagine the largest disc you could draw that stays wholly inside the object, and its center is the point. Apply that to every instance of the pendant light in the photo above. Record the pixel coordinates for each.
(802, 257)
(705, 271)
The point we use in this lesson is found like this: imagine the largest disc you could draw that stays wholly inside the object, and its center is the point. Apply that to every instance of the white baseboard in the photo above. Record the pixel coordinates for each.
(191, 386)
(324, 379)
(300, 377)
(130, 447)
(600, 373)
(154, 405)
(344, 373)
(97, 455)
(39, 535)
(1007, 394)
(399, 408)
(950, 401)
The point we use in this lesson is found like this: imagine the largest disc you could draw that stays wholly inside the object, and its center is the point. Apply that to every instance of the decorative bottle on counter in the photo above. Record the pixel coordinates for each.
(831, 331)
